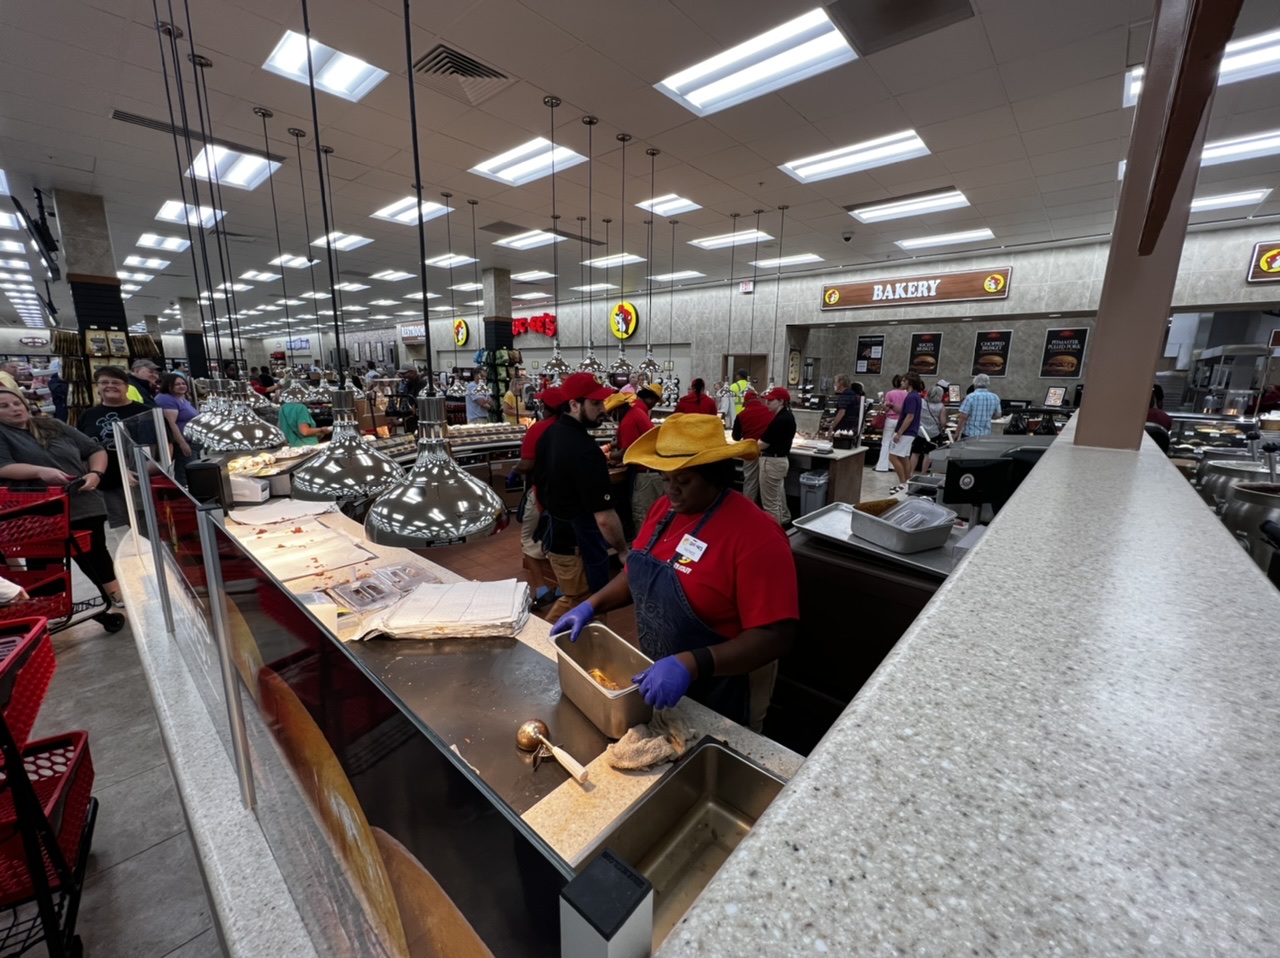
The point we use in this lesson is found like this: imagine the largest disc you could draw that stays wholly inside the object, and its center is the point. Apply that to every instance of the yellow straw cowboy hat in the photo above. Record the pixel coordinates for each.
(685, 440)
(619, 399)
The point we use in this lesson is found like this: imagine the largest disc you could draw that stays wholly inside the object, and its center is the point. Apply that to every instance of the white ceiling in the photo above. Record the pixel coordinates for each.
(1019, 106)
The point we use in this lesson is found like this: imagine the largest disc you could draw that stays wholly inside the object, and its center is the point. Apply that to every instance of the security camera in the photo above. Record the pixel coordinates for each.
(847, 235)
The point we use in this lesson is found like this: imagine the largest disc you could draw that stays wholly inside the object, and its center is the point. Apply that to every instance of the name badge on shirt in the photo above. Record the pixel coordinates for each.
(691, 548)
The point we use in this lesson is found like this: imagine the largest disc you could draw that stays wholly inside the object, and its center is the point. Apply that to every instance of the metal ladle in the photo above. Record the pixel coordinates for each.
(533, 733)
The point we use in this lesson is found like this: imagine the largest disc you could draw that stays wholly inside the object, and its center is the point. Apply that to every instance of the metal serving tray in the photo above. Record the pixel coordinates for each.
(601, 648)
(896, 538)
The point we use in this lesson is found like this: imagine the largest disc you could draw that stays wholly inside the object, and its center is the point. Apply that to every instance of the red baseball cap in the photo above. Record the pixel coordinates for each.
(777, 392)
(583, 386)
(551, 396)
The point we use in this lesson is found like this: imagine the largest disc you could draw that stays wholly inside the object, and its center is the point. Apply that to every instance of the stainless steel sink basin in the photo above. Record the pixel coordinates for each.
(680, 833)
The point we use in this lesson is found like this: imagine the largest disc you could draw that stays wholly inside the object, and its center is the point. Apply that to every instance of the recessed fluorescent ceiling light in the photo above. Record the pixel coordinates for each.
(145, 262)
(356, 309)
(726, 240)
(591, 288)
(260, 277)
(9, 221)
(15, 264)
(392, 275)
(131, 287)
(947, 239)
(914, 206)
(1243, 59)
(617, 259)
(1241, 148)
(402, 211)
(26, 278)
(528, 162)
(351, 287)
(244, 171)
(4, 183)
(338, 73)
(532, 276)
(529, 240)
(530, 295)
(440, 309)
(384, 302)
(11, 246)
(172, 244)
(342, 241)
(800, 48)
(1224, 201)
(409, 312)
(795, 260)
(314, 294)
(881, 151)
(419, 296)
(175, 212)
(469, 287)
(293, 262)
(135, 277)
(669, 205)
(445, 260)
(674, 277)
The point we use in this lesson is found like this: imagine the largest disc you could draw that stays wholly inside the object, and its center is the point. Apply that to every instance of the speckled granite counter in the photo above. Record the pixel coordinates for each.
(1071, 752)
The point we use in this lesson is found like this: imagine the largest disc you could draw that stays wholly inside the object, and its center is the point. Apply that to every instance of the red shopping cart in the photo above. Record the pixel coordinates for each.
(35, 531)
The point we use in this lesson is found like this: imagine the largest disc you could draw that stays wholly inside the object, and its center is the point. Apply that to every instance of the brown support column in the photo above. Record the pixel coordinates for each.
(1187, 38)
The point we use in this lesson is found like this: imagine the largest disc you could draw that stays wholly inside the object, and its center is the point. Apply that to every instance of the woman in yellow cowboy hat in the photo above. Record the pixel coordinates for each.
(711, 576)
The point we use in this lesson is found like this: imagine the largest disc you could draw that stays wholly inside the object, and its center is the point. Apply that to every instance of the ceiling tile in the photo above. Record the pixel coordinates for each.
(1097, 57)
(972, 93)
(934, 58)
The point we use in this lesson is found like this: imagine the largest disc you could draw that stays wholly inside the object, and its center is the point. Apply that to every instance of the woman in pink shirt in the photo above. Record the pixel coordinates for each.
(893, 400)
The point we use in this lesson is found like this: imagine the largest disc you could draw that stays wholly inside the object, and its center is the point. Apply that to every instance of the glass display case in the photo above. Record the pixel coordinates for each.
(1195, 433)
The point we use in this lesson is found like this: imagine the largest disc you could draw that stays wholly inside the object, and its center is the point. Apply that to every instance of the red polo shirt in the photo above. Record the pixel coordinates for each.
(755, 418)
(634, 425)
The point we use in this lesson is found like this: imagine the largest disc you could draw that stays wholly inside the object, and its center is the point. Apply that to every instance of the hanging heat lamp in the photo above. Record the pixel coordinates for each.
(620, 366)
(589, 362)
(240, 430)
(649, 367)
(347, 467)
(728, 341)
(438, 503)
(777, 286)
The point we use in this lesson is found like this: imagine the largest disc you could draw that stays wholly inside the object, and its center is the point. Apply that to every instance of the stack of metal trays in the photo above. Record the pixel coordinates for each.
(914, 526)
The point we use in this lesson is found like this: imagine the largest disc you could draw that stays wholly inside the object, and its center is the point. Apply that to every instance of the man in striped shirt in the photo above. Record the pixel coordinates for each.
(978, 409)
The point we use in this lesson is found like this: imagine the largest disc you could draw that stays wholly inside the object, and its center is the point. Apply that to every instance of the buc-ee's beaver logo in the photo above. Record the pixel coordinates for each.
(993, 283)
(1269, 262)
(831, 297)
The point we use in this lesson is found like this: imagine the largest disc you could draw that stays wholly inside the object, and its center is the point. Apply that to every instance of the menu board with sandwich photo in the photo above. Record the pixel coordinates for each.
(926, 349)
(870, 355)
(991, 352)
(1063, 353)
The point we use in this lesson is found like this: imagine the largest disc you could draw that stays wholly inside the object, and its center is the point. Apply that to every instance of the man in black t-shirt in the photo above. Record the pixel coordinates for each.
(96, 422)
(575, 491)
(775, 453)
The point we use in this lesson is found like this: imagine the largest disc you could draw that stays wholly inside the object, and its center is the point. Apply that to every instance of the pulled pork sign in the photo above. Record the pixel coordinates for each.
(935, 288)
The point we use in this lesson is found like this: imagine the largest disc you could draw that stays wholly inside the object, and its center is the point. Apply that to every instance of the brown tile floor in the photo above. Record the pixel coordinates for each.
(499, 557)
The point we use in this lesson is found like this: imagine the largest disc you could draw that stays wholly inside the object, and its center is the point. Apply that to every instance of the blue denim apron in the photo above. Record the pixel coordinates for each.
(667, 624)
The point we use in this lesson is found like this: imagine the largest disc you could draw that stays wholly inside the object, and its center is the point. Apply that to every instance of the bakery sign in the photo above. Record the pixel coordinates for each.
(1265, 265)
(934, 288)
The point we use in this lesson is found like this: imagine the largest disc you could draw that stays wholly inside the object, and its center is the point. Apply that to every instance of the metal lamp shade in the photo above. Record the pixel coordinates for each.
(457, 389)
(347, 467)
(439, 503)
(556, 365)
(241, 430)
(213, 410)
(591, 364)
(293, 391)
(620, 366)
(649, 366)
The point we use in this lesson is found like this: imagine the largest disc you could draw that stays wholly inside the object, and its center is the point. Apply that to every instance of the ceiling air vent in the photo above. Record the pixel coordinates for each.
(457, 75)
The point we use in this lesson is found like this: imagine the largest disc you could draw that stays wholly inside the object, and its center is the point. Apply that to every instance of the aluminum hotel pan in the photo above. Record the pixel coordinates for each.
(601, 648)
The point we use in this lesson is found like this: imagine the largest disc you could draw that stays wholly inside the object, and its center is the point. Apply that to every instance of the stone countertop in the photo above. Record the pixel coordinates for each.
(835, 455)
(1072, 751)
(571, 817)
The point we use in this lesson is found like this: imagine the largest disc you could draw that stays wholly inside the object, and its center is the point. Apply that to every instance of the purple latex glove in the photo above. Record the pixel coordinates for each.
(664, 683)
(574, 621)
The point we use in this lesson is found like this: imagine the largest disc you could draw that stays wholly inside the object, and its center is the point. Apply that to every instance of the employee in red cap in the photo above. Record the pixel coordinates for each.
(645, 484)
(751, 424)
(775, 454)
(571, 474)
(551, 399)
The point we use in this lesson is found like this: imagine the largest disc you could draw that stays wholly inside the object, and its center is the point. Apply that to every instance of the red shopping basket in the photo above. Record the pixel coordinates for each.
(37, 524)
(26, 668)
(49, 591)
(61, 773)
